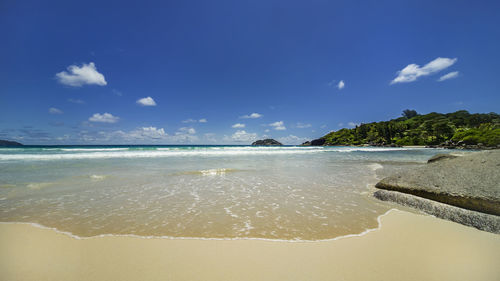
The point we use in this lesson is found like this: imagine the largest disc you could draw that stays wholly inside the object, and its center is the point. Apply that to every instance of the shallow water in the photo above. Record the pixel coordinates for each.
(293, 193)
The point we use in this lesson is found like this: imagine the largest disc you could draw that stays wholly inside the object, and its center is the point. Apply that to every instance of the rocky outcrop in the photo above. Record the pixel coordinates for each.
(490, 223)
(462, 145)
(471, 182)
(267, 142)
(441, 156)
(9, 143)
(316, 142)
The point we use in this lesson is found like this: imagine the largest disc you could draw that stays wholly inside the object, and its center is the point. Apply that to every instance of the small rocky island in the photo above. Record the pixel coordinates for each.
(9, 143)
(267, 142)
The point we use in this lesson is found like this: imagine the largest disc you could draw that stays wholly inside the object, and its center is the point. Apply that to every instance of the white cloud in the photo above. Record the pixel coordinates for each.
(185, 134)
(447, 76)
(142, 135)
(278, 125)
(191, 120)
(412, 71)
(238, 125)
(291, 139)
(242, 136)
(267, 130)
(352, 124)
(138, 135)
(341, 85)
(303, 125)
(76, 76)
(148, 101)
(104, 118)
(252, 116)
(148, 133)
(186, 130)
(54, 110)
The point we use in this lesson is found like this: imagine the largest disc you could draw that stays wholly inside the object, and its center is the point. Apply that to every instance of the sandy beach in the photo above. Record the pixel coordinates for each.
(406, 246)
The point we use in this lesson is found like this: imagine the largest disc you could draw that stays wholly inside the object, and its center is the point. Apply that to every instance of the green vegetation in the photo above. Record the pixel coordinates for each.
(459, 127)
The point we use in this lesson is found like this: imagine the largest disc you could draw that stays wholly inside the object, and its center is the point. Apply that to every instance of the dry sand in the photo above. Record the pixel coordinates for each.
(407, 246)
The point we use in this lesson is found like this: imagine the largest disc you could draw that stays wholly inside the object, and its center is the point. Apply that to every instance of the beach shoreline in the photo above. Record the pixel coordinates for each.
(404, 242)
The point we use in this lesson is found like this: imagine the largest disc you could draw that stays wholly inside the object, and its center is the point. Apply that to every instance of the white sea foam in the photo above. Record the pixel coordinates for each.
(92, 149)
(97, 177)
(375, 166)
(213, 172)
(151, 154)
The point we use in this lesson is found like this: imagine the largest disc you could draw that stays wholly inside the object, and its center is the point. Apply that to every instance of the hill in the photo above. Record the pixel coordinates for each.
(267, 142)
(9, 143)
(457, 129)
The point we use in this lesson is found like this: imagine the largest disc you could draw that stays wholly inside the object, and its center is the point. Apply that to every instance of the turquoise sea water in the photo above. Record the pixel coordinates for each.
(288, 192)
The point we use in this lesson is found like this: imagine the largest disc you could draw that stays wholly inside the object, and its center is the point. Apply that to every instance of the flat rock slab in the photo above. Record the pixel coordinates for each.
(481, 221)
(471, 182)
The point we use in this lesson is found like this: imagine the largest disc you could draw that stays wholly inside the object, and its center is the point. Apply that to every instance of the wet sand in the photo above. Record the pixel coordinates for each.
(406, 246)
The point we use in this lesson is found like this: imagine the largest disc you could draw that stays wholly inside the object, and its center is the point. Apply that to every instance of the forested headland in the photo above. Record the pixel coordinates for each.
(457, 129)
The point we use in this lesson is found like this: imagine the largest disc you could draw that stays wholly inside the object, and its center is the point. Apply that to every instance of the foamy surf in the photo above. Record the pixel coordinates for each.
(151, 153)
(97, 177)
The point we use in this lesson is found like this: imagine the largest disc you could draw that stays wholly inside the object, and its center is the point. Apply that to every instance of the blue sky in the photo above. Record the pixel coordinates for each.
(104, 72)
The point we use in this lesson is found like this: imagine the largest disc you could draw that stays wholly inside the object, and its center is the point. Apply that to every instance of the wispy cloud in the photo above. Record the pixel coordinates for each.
(186, 130)
(352, 124)
(341, 85)
(278, 125)
(447, 76)
(191, 120)
(210, 137)
(148, 101)
(77, 76)
(252, 116)
(303, 125)
(104, 118)
(412, 71)
(54, 110)
(238, 125)
(78, 101)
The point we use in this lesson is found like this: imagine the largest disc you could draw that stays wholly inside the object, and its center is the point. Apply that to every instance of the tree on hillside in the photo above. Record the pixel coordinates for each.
(409, 113)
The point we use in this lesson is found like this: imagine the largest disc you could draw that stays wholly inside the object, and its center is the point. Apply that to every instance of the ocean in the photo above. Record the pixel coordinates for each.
(213, 192)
